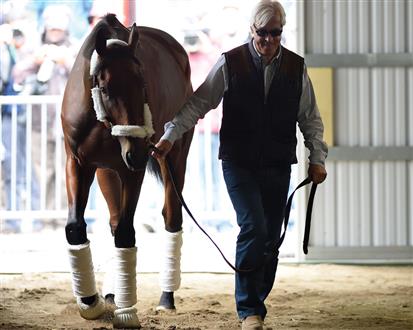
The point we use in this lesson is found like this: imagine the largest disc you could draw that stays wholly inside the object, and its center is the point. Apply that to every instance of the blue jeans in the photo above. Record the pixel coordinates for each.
(259, 197)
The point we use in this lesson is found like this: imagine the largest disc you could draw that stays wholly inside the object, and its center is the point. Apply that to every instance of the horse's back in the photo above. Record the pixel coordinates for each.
(164, 43)
(167, 74)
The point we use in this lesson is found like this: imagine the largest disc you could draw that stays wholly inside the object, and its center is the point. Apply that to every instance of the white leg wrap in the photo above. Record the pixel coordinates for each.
(83, 281)
(170, 274)
(125, 277)
(83, 277)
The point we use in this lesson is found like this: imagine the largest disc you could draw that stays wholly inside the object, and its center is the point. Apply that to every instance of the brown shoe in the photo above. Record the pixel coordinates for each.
(252, 322)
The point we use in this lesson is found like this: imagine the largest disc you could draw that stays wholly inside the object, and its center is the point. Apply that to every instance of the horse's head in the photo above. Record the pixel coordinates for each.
(119, 96)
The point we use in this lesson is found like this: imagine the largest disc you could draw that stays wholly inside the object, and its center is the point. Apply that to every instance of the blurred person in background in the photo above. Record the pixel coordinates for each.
(205, 34)
(96, 13)
(266, 91)
(11, 45)
(202, 55)
(45, 72)
(8, 60)
(79, 10)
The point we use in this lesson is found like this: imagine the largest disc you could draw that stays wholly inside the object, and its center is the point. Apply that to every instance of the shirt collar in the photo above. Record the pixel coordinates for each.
(275, 58)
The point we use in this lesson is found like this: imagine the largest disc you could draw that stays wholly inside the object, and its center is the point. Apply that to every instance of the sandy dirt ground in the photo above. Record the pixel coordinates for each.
(305, 297)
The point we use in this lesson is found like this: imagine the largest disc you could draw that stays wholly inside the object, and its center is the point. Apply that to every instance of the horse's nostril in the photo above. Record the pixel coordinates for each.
(136, 161)
(129, 159)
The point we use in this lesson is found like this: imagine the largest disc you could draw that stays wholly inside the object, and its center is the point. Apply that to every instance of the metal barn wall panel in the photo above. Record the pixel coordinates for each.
(364, 209)
(409, 38)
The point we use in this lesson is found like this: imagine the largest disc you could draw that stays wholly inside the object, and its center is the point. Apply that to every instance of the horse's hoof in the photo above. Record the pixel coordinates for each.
(166, 303)
(126, 318)
(91, 312)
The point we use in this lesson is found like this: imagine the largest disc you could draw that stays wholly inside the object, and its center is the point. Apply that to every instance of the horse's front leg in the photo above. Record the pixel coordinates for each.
(170, 274)
(79, 179)
(121, 281)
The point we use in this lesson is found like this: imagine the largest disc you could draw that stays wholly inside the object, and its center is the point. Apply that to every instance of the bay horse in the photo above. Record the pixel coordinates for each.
(126, 83)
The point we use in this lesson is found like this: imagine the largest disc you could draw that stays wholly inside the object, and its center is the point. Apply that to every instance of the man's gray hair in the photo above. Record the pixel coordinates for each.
(264, 11)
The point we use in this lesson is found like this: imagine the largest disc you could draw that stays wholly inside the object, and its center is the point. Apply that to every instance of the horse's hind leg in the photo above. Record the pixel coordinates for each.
(170, 275)
(79, 179)
(111, 187)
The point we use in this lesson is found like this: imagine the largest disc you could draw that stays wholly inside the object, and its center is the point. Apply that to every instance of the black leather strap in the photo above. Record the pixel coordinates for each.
(286, 219)
(308, 217)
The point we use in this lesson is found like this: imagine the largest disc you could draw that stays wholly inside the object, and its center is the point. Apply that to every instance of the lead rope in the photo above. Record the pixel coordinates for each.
(286, 219)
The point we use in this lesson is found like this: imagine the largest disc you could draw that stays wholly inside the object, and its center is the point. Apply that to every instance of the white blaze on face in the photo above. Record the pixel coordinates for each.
(121, 131)
(125, 147)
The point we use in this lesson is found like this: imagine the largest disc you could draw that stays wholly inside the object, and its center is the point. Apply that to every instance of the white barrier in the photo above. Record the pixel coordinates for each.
(28, 199)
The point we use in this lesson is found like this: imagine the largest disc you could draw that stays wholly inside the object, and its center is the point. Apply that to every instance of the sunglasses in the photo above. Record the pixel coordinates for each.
(263, 33)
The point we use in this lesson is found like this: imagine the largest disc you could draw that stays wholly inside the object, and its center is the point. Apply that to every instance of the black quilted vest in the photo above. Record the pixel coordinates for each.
(259, 132)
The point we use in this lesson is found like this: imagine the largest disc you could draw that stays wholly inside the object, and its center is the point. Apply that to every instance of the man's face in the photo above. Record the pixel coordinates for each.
(267, 38)
(55, 36)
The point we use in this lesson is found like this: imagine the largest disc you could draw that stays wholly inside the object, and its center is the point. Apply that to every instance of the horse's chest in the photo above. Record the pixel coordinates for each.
(99, 149)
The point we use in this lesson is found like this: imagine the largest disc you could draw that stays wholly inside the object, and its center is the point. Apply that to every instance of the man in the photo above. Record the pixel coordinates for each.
(266, 91)
(45, 72)
(8, 59)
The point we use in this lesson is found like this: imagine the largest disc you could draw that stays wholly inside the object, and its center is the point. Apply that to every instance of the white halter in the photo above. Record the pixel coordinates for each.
(145, 131)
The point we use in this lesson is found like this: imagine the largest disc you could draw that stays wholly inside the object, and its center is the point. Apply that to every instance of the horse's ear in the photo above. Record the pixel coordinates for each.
(101, 36)
(133, 36)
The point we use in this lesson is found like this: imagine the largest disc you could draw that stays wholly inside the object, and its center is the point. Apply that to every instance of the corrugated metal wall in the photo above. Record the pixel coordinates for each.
(364, 209)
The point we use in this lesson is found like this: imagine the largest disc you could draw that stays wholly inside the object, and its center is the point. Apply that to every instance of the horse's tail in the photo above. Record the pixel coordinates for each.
(154, 169)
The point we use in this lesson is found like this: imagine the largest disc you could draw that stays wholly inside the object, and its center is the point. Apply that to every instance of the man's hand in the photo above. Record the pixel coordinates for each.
(317, 173)
(163, 147)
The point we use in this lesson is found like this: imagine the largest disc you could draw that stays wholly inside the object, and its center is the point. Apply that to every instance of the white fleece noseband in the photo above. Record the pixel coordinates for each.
(145, 131)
